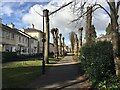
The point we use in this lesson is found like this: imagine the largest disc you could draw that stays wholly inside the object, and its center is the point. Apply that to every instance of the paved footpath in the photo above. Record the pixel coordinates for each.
(63, 75)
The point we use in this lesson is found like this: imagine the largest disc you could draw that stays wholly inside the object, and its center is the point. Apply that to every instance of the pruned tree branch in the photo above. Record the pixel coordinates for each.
(60, 8)
(80, 16)
(112, 6)
(118, 6)
(55, 10)
(103, 9)
(100, 6)
(38, 12)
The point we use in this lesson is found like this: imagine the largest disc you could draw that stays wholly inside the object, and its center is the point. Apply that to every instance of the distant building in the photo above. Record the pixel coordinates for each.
(24, 41)
(36, 34)
(13, 40)
(32, 43)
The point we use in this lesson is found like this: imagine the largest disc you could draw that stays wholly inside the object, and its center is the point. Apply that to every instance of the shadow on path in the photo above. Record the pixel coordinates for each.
(62, 75)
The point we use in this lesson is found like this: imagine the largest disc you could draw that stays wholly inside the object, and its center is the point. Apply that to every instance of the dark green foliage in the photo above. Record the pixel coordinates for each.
(110, 84)
(97, 61)
(12, 56)
(8, 56)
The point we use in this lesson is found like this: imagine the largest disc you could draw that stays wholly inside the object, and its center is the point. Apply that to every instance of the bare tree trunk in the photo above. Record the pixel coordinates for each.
(88, 25)
(56, 34)
(115, 36)
(60, 52)
(52, 31)
(63, 46)
(76, 44)
(80, 39)
(46, 53)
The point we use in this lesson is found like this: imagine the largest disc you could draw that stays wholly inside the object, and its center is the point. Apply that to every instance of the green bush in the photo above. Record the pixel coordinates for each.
(97, 61)
(8, 56)
(110, 84)
(12, 56)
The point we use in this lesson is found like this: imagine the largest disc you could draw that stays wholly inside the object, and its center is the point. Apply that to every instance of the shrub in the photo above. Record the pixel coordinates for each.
(51, 54)
(12, 56)
(97, 61)
(8, 56)
(110, 84)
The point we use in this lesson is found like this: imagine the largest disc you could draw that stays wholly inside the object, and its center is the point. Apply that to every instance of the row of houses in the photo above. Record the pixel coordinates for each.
(24, 41)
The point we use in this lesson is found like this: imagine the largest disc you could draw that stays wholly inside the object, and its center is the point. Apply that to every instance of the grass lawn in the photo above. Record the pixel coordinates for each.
(20, 73)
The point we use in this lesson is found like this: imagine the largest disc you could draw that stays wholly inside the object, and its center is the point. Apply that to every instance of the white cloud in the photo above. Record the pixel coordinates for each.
(33, 18)
(100, 20)
(62, 18)
(25, 1)
(5, 9)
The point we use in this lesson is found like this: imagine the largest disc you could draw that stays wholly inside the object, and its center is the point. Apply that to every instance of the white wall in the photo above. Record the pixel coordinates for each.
(39, 36)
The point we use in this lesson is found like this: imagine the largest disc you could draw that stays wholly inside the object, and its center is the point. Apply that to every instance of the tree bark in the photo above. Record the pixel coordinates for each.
(56, 40)
(88, 25)
(63, 46)
(115, 36)
(80, 38)
(60, 52)
(52, 31)
(46, 53)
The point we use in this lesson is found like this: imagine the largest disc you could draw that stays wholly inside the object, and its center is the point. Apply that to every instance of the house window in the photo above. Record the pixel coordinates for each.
(3, 33)
(23, 39)
(7, 35)
(26, 40)
(31, 41)
(12, 35)
(19, 39)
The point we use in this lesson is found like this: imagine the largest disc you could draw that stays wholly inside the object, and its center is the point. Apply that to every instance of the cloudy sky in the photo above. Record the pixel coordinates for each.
(23, 13)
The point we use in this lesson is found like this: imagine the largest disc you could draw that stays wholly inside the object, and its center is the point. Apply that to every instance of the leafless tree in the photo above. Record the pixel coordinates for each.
(54, 32)
(80, 38)
(113, 14)
(60, 44)
(72, 39)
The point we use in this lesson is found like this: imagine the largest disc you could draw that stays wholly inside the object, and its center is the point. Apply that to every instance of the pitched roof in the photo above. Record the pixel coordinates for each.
(17, 31)
(5, 27)
(32, 30)
(26, 34)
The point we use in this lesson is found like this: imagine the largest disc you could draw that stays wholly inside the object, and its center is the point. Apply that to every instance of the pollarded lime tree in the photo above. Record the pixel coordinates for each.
(112, 13)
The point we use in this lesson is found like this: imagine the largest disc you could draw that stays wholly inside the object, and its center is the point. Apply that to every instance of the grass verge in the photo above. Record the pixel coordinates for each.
(20, 73)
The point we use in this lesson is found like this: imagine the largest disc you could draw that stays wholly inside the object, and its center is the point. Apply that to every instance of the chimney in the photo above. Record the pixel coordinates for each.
(23, 30)
(33, 26)
(11, 25)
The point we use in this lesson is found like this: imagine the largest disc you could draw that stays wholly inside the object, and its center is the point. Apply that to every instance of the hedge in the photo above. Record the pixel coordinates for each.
(97, 61)
(8, 56)
(12, 56)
